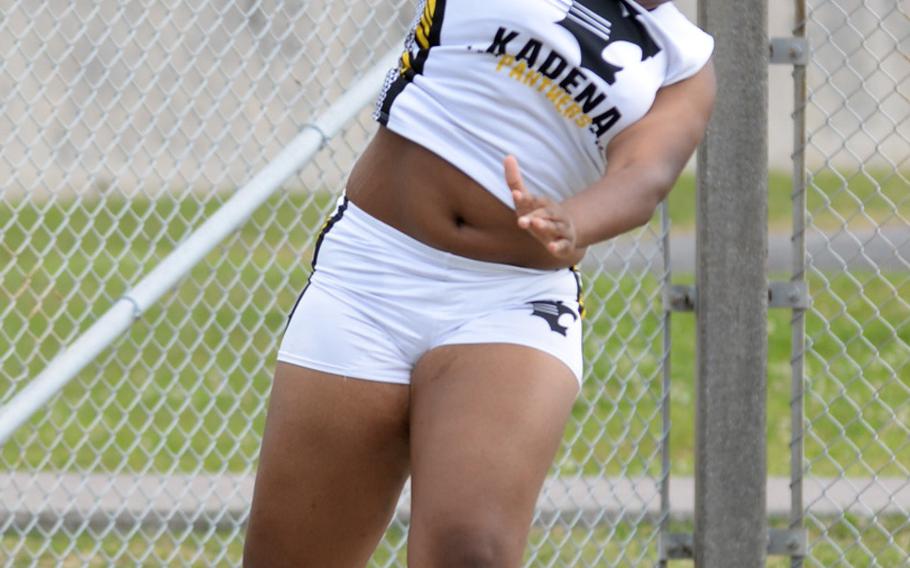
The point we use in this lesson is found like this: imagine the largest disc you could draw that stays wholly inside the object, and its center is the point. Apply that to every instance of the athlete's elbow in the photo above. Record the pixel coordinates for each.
(644, 210)
(658, 185)
(664, 178)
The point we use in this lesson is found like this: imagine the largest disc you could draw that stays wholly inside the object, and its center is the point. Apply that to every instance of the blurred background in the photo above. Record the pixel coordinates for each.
(124, 124)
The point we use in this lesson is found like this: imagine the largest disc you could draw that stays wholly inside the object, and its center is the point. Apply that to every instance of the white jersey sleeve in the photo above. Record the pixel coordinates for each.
(688, 47)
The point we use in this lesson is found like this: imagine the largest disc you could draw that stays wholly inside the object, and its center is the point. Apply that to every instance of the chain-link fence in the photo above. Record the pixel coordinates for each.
(856, 161)
(124, 125)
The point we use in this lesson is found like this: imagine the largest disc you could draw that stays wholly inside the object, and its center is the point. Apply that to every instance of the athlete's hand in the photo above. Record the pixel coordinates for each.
(544, 218)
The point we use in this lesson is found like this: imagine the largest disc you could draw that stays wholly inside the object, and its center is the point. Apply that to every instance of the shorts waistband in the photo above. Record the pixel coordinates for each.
(381, 234)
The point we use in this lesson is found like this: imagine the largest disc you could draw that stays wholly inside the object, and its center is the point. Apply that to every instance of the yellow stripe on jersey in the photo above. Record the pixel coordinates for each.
(422, 33)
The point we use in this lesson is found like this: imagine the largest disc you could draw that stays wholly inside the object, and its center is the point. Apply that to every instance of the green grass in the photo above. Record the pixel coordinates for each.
(834, 200)
(853, 542)
(196, 367)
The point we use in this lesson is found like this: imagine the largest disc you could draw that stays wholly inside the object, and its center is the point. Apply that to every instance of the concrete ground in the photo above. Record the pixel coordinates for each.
(46, 500)
(868, 249)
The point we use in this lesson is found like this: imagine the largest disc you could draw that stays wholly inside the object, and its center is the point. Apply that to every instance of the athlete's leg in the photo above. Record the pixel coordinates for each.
(486, 421)
(333, 461)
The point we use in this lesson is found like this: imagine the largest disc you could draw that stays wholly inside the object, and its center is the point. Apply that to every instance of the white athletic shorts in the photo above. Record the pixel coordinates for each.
(377, 300)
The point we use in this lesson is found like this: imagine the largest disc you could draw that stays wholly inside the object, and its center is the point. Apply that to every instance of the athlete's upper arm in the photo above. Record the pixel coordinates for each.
(668, 134)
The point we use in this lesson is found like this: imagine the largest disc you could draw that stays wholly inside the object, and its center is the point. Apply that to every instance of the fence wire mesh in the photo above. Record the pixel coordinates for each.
(124, 125)
(857, 234)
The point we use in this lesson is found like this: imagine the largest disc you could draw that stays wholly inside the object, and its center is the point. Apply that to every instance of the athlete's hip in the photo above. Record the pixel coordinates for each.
(367, 258)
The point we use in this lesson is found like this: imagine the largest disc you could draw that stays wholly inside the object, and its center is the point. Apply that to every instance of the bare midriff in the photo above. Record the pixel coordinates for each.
(408, 187)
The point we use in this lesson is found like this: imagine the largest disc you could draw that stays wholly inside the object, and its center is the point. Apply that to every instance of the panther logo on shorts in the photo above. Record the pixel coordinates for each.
(551, 311)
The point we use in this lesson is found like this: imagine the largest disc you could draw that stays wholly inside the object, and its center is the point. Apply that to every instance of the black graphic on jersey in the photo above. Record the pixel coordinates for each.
(598, 23)
(551, 311)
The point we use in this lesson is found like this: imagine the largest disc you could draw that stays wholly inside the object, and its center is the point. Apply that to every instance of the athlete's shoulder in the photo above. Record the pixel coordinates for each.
(688, 47)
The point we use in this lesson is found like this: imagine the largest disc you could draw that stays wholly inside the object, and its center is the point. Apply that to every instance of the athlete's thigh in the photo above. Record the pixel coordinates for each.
(333, 461)
(486, 421)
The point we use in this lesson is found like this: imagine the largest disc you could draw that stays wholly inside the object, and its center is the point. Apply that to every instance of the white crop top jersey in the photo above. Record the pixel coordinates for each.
(550, 81)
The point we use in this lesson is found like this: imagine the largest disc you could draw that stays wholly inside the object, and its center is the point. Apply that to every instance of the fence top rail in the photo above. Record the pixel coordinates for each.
(188, 254)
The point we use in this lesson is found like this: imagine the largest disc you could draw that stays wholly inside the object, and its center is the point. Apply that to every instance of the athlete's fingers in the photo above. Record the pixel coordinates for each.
(548, 231)
(543, 218)
(558, 242)
(557, 225)
(524, 201)
(527, 205)
(561, 247)
(513, 175)
(548, 227)
(527, 219)
(545, 229)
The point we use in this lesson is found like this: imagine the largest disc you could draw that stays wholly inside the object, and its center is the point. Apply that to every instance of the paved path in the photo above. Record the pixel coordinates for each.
(887, 250)
(47, 499)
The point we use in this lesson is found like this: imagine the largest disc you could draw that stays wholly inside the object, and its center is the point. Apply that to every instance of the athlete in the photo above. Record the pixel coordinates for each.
(439, 336)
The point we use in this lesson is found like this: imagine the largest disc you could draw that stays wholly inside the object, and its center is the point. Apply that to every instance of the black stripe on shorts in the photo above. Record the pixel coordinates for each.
(326, 227)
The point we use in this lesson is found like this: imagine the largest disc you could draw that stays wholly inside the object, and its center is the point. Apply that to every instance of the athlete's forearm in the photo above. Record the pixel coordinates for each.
(623, 200)
(644, 161)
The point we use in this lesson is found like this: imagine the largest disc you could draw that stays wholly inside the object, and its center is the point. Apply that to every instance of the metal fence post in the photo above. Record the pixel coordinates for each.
(798, 276)
(730, 502)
